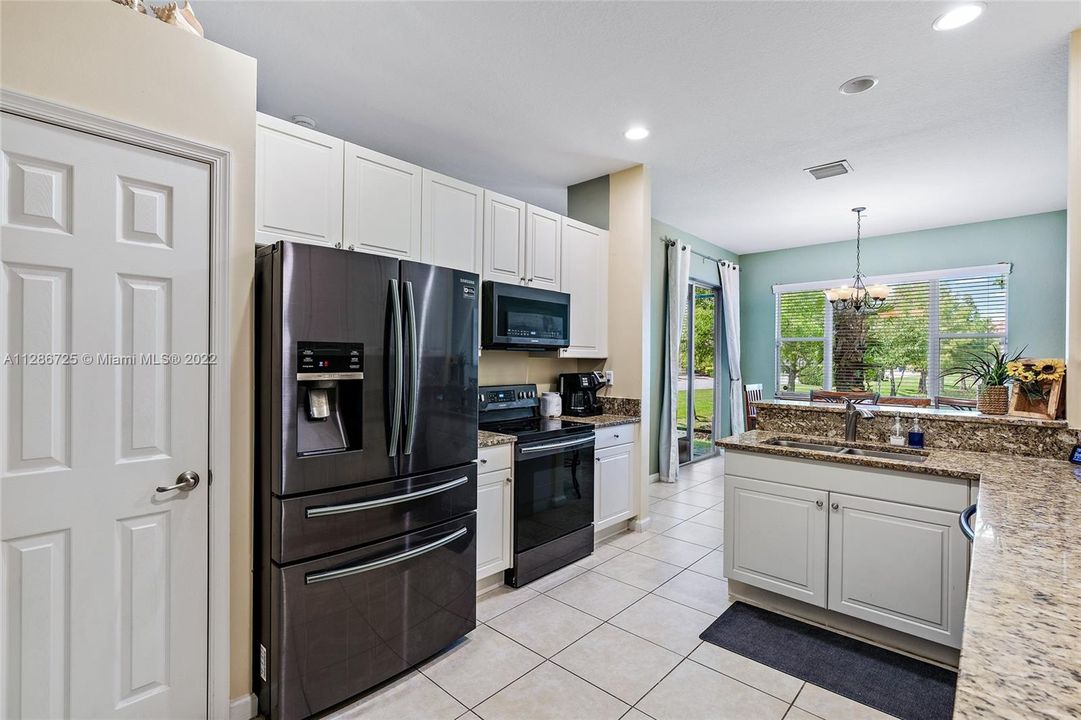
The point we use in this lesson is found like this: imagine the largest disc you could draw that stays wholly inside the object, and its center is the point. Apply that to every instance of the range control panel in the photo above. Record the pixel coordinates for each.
(504, 397)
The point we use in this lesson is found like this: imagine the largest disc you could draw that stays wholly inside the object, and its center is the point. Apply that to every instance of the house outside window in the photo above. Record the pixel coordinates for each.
(929, 324)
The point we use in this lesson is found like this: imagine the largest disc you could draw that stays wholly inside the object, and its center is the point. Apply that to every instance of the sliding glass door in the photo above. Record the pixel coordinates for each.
(697, 406)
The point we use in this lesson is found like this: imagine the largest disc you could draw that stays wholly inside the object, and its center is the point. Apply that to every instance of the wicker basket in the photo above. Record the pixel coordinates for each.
(994, 400)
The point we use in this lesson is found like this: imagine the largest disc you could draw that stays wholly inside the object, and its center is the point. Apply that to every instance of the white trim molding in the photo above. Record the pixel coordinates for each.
(218, 160)
(244, 707)
(901, 278)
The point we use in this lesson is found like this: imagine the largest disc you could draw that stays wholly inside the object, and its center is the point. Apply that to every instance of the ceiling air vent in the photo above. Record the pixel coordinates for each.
(833, 169)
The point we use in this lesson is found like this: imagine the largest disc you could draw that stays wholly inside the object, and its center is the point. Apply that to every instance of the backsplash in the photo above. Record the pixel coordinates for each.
(508, 367)
(992, 435)
(631, 407)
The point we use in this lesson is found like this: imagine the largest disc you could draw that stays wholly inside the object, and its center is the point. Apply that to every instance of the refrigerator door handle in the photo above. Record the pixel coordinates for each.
(323, 510)
(414, 368)
(383, 562)
(396, 401)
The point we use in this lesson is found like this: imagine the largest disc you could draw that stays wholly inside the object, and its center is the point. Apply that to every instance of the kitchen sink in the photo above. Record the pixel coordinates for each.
(821, 447)
(844, 450)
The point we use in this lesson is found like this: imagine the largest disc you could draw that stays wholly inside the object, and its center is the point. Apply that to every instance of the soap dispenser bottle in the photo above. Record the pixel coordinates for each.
(897, 434)
(915, 434)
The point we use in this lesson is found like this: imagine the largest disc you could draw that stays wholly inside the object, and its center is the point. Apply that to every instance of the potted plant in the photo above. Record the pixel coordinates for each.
(988, 370)
(1038, 390)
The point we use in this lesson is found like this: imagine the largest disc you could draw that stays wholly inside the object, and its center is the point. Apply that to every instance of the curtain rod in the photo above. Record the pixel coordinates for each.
(670, 242)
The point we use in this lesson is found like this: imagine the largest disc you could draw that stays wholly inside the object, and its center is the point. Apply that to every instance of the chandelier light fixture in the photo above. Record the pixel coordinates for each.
(859, 297)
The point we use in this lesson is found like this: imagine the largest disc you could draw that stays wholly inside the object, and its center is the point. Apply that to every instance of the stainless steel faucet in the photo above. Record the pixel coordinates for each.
(853, 413)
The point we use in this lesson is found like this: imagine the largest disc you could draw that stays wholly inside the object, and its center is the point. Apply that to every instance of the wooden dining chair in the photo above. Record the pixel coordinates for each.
(751, 393)
(944, 401)
(859, 397)
(904, 401)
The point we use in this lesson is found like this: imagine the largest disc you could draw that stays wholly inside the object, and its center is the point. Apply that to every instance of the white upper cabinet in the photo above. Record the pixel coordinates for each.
(543, 248)
(504, 238)
(298, 183)
(584, 275)
(382, 204)
(452, 222)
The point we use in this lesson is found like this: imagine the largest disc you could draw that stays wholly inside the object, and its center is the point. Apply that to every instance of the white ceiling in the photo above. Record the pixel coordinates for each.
(527, 98)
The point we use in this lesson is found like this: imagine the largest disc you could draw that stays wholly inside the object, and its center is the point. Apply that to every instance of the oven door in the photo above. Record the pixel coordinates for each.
(553, 489)
(524, 318)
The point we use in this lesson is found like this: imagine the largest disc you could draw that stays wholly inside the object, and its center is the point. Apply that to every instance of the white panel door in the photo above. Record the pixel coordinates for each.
(775, 537)
(613, 484)
(298, 183)
(382, 204)
(898, 565)
(452, 223)
(504, 239)
(494, 508)
(584, 276)
(105, 268)
(543, 231)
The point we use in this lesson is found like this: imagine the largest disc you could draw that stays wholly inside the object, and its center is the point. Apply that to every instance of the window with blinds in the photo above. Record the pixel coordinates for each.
(907, 348)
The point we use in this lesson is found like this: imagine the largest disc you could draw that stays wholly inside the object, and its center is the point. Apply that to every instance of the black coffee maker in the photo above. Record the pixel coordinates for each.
(579, 392)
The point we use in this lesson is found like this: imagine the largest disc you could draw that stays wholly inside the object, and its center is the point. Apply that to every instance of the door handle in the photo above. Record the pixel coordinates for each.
(186, 481)
(396, 401)
(414, 368)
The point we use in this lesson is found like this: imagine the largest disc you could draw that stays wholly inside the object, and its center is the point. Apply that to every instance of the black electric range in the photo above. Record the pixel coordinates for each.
(553, 481)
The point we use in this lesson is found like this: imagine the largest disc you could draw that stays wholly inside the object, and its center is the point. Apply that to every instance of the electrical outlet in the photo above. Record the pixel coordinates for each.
(610, 376)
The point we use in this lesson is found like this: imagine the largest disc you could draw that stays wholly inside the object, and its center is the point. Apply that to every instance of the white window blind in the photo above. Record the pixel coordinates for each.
(907, 348)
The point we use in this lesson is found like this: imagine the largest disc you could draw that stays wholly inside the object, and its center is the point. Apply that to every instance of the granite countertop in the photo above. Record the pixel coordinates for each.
(491, 439)
(1021, 651)
(952, 414)
(600, 421)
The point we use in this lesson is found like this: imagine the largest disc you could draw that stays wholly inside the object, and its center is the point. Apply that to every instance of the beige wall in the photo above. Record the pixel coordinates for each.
(1073, 238)
(106, 59)
(507, 367)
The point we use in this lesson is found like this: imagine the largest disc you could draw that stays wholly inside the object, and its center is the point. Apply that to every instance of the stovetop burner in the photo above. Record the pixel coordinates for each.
(536, 428)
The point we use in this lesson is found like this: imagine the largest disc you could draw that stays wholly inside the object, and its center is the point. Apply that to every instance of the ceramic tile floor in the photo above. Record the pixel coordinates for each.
(613, 636)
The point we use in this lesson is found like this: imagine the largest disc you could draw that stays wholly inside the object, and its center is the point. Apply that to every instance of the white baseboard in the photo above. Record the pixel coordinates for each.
(244, 707)
(655, 477)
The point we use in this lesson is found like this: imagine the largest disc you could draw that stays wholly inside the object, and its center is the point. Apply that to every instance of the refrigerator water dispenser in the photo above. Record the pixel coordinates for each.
(329, 383)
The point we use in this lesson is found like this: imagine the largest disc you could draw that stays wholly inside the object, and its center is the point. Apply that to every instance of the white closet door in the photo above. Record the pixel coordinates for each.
(104, 255)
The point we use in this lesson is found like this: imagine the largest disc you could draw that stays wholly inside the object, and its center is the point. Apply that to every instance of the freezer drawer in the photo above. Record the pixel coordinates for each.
(344, 623)
(326, 522)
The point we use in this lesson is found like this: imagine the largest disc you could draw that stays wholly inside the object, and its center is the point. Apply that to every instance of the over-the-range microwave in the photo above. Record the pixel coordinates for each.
(517, 317)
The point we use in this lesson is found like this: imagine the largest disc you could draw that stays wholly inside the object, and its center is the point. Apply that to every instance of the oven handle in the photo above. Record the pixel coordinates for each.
(553, 446)
(311, 578)
(320, 511)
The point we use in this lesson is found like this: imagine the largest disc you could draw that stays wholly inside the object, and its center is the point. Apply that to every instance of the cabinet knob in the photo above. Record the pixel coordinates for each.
(818, 503)
(616, 437)
(835, 506)
(352, 247)
(523, 278)
(338, 245)
(483, 461)
(510, 480)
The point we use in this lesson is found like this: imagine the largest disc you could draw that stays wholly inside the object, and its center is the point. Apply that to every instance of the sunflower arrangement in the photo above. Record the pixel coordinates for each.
(1032, 375)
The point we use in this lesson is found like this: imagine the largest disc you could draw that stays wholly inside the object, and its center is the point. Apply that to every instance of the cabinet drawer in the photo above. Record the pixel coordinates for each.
(499, 457)
(614, 435)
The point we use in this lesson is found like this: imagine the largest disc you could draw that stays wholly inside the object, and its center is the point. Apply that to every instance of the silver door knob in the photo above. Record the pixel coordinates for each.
(185, 481)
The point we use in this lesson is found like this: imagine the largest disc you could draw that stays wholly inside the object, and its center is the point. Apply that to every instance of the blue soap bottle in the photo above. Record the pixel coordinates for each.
(915, 434)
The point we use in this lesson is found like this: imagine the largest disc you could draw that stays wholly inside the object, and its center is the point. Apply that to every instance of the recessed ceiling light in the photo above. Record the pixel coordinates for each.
(304, 121)
(959, 16)
(636, 133)
(856, 85)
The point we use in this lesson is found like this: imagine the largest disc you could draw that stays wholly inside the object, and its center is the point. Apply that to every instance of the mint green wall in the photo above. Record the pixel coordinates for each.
(1035, 244)
(701, 270)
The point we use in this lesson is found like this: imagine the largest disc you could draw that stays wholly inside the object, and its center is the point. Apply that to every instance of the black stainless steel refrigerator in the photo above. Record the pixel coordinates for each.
(366, 486)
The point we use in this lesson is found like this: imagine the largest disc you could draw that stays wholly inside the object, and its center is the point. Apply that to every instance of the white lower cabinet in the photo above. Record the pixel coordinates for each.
(614, 476)
(495, 509)
(775, 537)
(897, 565)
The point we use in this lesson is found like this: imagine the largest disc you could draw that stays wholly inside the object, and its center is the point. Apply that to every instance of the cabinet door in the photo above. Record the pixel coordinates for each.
(543, 233)
(584, 275)
(504, 238)
(495, 496)
(298, 183)
(613, 481)
(897, 565)
(775, 537)
(452, 222)
(382, 204)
